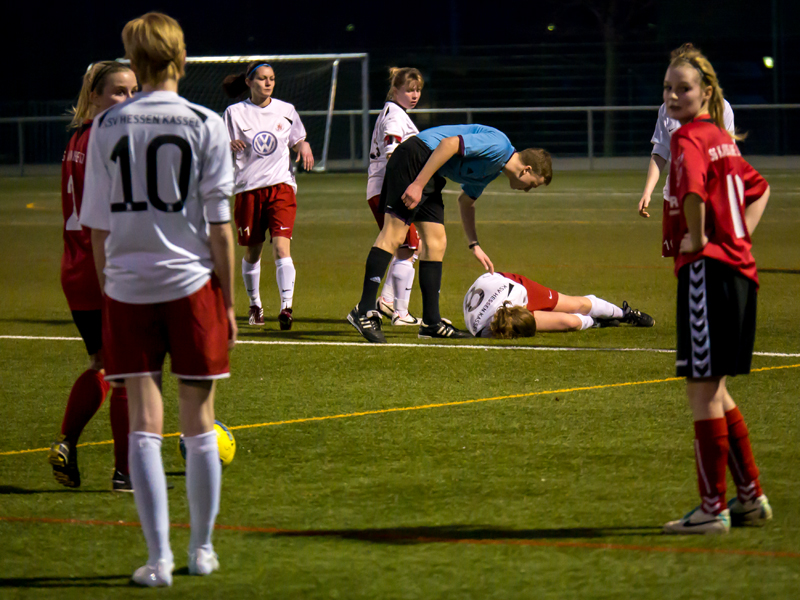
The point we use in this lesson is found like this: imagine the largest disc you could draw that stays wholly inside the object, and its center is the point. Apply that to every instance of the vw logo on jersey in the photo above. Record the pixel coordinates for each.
(265, 143)
(473, 299)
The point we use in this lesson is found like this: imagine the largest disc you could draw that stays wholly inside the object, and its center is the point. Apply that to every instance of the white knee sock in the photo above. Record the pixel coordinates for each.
(604, 309)
(251, 273)
(203, 483)
(586, 322)
(387, 293)
(285, 273)
(150, 493)
(403, 280)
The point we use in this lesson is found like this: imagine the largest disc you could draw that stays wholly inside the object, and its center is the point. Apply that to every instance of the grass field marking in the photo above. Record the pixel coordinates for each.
(389, 536)
(419, 345)
(410, 408)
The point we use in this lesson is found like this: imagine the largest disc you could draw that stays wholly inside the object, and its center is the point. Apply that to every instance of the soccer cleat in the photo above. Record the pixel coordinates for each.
(368, 325)
(386, 309)
(203, 562)
(256, 315)
(753, 513)
(408, 319)
(443, 329)
(63, 457)
(285, 319)
(600, 323)
(121, 482)
(636, 317)
(159, 575)
(699, 521)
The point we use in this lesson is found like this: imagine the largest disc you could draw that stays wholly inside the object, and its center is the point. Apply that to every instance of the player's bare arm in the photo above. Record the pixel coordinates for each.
(304, 154)
(466, 207)
(238, 145)
(446, 149)
(694, 209)
(754, 210)
(99, 253)
(654, 169)
(220, 237)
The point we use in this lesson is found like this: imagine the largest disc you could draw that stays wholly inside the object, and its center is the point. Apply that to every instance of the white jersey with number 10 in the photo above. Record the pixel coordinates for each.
(158, 172)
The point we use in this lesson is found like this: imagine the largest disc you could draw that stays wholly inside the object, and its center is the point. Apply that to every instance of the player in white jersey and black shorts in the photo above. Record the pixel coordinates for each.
(507, 305)
(393, 127)
(659, 158)
(262, 129)
(158, 179)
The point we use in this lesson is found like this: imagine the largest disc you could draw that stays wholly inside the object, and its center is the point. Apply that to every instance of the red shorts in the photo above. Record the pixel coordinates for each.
(194, 330)
(272, 209)
(539, 297)
(412, 238)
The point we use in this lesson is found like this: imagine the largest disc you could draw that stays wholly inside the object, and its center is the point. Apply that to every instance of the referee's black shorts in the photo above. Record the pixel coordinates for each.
(404, 165)
(716, 320)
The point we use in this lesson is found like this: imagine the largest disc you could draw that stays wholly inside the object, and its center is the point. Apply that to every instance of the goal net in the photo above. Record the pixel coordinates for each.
(329, 92)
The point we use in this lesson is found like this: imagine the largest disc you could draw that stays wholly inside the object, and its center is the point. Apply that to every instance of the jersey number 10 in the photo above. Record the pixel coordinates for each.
(122, 152)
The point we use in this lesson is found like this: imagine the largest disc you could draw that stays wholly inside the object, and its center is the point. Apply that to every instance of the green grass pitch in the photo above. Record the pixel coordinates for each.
(518, 469)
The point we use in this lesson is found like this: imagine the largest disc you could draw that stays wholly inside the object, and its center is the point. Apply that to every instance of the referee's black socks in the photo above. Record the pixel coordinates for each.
(377, 262)
(430, 282)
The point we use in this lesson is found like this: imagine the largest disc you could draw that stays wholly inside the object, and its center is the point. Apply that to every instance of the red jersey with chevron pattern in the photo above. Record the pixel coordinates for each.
(78, 275)
(707, 162)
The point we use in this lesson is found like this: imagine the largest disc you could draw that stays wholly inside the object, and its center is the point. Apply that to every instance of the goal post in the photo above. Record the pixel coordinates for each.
(322, 87)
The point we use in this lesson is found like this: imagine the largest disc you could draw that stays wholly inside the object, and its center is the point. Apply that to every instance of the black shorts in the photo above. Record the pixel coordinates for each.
(404, 165)
(716, 320)
(90, 326)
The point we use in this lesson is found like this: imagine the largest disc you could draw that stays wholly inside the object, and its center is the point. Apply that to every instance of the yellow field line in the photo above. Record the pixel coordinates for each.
(384, 411)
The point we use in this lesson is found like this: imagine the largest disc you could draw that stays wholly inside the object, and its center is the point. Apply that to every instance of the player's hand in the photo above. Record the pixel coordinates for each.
(412, 195)
(233, 331)
(305, 156)
(483, 259)
(643, 204)
(687, 247)
(238, 146)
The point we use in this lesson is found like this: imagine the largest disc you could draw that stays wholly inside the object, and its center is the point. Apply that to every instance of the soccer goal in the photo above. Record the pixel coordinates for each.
(309, 81)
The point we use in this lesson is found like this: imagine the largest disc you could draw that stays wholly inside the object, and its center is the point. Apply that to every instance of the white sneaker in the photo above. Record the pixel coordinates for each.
(203, 562)
(408, 319)
(699, 521)
(386, 309)
(753, 513)
(159, 575)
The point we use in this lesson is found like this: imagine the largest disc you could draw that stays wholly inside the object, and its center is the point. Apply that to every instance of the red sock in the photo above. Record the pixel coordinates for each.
(85, 398)
(741, 462)
(118, 408)
(711, 455)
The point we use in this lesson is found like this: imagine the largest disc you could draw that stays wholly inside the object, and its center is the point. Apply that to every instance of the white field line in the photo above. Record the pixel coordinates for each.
(421, 345)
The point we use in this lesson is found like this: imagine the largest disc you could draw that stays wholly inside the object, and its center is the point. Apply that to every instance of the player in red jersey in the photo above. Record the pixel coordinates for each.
(104, 85)
(719, 199)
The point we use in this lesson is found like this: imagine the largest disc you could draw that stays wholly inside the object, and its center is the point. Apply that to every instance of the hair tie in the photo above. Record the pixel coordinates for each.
(101, 73)
(254, 69)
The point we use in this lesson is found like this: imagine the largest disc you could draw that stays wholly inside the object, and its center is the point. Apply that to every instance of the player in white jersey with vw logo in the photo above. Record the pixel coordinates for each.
(158, 179)
(393, 127)
(262, 129)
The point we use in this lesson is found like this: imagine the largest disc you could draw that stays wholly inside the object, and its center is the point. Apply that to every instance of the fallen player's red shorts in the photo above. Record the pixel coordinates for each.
(539, 297)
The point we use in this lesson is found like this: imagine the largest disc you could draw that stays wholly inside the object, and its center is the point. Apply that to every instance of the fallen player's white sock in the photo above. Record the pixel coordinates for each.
(586, 321)
(603, 309)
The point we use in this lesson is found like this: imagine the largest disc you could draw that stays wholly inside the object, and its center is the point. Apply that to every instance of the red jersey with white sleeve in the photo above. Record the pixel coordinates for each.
(393, 127)
(269, 132)
(707, 162)
(78, 275)
(158, 173)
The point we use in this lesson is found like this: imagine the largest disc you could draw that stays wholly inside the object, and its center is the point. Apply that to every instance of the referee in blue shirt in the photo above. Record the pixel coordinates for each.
(472, 155)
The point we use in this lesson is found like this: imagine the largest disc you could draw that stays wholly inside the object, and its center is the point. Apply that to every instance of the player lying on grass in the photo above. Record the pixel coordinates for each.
(104, 85)
(507, 305)
(472, 155)
(719, 199)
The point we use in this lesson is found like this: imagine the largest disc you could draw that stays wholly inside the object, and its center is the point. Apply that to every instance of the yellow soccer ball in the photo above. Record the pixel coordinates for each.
(225, 442)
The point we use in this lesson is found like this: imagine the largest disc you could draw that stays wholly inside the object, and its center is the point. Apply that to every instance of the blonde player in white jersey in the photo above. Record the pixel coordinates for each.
(665, 127)
(158, 179)
(262, 129)
(508, 305)
(393, 127)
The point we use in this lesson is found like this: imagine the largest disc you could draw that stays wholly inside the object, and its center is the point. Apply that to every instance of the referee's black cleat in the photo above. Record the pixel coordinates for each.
(443, 329)
(636, 317)
(368, 325)
(63, 457)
